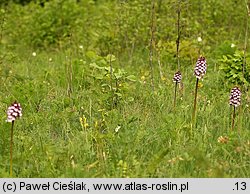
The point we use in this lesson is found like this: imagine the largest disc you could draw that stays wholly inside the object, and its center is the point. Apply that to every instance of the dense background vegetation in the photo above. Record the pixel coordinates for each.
(82, 118)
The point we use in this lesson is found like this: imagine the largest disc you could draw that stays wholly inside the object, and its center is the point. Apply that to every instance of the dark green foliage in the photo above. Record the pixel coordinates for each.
(232, 66)
(23, 2)
(123, 26)
(114, 83)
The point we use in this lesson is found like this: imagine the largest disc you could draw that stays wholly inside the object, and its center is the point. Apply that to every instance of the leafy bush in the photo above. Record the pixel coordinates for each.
(232, 66)
(53, 22)
(114, 83)
(123, 26)
(45, 26)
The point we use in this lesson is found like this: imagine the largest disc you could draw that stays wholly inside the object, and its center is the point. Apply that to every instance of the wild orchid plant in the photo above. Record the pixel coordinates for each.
(176, 79)
(235, 99)
(14, 111)
(199, 72)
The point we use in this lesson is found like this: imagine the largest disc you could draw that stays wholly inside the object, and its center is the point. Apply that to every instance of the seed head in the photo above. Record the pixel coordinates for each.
(200, 68)
(235, 97)
(177, 77)
(14, 111)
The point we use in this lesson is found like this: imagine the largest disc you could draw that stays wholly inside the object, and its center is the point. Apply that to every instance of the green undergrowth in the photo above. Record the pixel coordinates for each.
(80, 70)
(140, 135)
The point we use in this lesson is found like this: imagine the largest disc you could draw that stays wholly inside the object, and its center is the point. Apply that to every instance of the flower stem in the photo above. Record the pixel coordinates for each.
(240, 116)
(233, 118)
(178, 34)
(175, 91)
(195, 102)
(152, 31)
(11, 147)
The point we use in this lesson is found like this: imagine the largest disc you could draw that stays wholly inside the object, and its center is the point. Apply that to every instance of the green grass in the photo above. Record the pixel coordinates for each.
(154, 139)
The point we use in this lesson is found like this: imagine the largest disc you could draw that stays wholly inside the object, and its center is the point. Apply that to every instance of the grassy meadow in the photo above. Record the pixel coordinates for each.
(92, 105)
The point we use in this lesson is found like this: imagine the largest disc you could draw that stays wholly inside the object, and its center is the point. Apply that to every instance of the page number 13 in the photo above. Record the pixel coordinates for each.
(240, 186)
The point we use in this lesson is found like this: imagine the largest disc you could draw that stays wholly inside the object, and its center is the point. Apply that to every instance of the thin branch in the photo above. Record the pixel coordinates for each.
(245, 43)
(111, 80)
(159, 65)
(247, 6)
(178, 35)
(69, 69)
(243, 67)
(2, 26)
(152, 28)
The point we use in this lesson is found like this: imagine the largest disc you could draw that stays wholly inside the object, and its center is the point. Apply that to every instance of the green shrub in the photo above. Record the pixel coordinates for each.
(232, 66)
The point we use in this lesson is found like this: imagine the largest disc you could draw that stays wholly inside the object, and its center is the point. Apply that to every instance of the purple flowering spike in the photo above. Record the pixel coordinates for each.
(200, 68)
(13, 112)
(235, 97)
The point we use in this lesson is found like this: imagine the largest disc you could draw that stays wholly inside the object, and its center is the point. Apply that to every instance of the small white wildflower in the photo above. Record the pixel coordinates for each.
(34, 54)
(80, 47)
(50, 59)
(199, 39)
(117, 128)
(232, 45)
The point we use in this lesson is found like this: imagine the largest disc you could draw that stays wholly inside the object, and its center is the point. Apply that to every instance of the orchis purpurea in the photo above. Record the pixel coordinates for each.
(14, 111)
(199, 72)
(176, 79)
(235, 99)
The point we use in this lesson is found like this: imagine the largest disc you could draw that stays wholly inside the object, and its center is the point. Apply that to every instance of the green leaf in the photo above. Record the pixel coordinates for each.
(91, 55)
(224, 58)
(100, 77)
(131, 78)
(131, 99)
(110, 58)
(117, 75)
(94, 65)
(118, 94)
